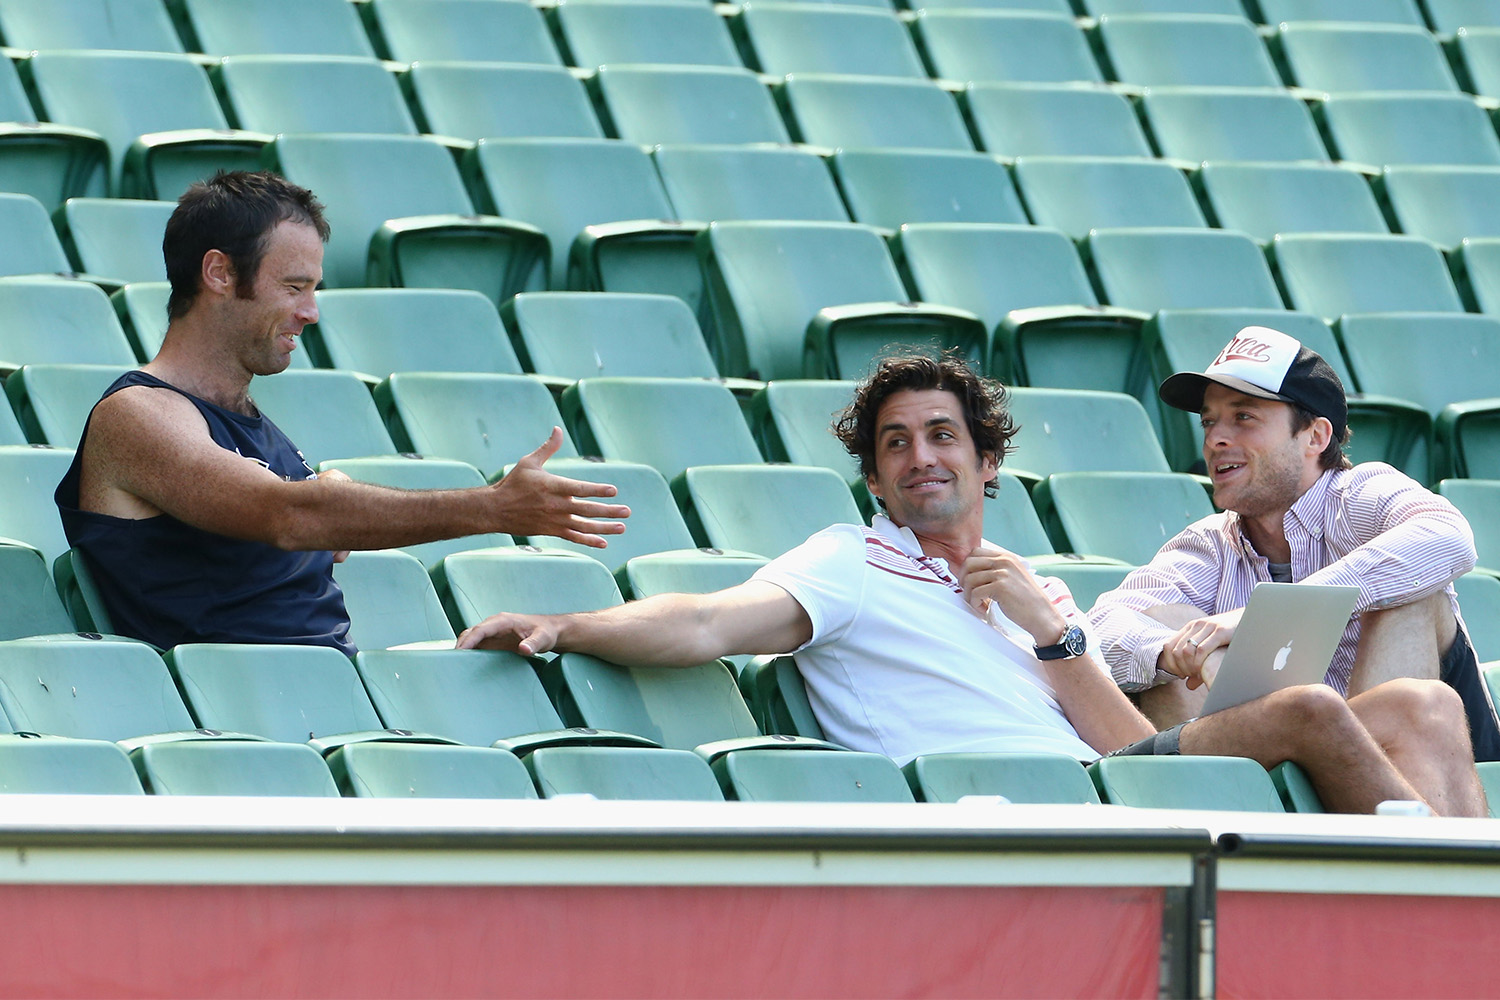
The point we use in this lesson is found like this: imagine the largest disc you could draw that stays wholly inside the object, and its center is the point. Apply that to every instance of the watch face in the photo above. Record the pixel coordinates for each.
(1075, 640)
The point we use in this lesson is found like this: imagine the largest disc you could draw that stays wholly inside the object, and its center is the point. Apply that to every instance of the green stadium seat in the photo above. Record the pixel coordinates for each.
(655, 524)
(600, 204)
(818, 300)
(475, 585)
(698, 571)
(642, 420)
(1364, 57)
(1476, 263)
(462, 30)
(793, 775)
(46, 321)
(312, 93)
(1451, 377)
(1152, 269)
(1019, 777)
(792, 421)
(575, 335)
(472, 100)
(51, 163)
(370, 330)
(859, 112)
(156, 110)
(142, 310)
(1194, 124)
(474, 697)
(1085, 580)
(31, 245)
(688, 104)
(1098, 8)
(1368, 11)
(1011, 520)
(1188, 50)
(29, 604)
(1189, 339)
(10, 428)
(622, 773)
(964, 43)
(1399, 129)
(1042, 6)
(411, 472)
(1448, 16)
(329, 414)
(1489, 776)
(1295, 789)
(114, 237)
(488, 421)
(1264, 199)
(1478, 51)
(1036, 119)
(1077, 194)
(746, 182)
(1443, 204)
(765, 509)
(323, 27)
(1076, 430)
(407, 770)
(89, 688)
(141, 25)
(1479, 502)
(29, 765)
(1119, 515)
(80, 595)
(1028, 285)
(1330, 275)
(630, 31)
(400, 216)
(288, 694)
(683, 708)
(1479, 597)
(27, 513)
(233, 768)
(390, 600)
(777, 697)
(892, 187)
(53, 402)
(1232, 783)
(787, 38)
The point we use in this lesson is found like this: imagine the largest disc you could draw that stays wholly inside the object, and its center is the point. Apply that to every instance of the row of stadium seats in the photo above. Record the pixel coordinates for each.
(225, 719)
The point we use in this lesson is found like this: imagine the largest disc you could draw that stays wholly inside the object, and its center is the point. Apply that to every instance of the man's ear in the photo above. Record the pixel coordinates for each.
(870, 485)
(217, 273)
(1322, 433)
(989, 466)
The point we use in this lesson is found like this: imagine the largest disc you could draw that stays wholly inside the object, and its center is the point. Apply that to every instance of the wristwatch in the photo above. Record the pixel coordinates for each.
(1073, 643)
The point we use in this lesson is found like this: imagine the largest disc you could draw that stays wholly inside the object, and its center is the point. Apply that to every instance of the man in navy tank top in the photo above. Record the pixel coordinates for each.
(197, 516)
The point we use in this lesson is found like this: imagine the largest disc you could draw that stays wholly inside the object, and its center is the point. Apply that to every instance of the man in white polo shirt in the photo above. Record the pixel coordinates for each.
(1275, 418)
(917, 636)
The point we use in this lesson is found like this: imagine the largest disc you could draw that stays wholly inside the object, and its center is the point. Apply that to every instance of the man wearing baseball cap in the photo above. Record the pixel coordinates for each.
(1275, 420)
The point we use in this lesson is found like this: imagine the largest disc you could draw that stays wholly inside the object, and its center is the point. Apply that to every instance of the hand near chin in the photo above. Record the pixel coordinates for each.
(991, 573)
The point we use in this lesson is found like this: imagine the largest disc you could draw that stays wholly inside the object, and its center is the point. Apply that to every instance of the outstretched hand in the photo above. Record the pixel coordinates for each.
(524, 634)
(533, 501)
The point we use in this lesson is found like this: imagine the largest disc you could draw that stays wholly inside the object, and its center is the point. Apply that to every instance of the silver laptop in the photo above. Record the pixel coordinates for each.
(1287, 636)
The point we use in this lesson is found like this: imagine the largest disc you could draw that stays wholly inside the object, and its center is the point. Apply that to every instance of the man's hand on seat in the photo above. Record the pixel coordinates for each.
(524, 634)
(532, 501)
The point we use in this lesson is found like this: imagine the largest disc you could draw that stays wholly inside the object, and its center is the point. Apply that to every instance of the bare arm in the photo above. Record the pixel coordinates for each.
(668, 630)
(149, 451)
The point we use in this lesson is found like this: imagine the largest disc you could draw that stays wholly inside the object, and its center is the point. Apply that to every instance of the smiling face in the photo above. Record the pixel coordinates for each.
(1258, 466)
(927, 469)
(267, 322)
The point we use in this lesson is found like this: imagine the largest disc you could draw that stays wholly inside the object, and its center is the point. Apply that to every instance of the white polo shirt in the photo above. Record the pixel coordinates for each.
(899, 664)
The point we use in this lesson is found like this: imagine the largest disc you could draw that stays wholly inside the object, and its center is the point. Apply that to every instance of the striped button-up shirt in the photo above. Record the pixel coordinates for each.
(1369, 527)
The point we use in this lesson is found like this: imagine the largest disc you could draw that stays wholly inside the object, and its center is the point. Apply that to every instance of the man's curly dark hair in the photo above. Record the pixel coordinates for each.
(983, 402)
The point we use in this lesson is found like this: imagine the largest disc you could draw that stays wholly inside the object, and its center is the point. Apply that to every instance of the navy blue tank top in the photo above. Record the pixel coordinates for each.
(168, 582)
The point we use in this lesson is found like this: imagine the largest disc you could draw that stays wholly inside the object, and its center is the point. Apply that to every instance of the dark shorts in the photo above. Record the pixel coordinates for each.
(1163, 744)
(1459, 669)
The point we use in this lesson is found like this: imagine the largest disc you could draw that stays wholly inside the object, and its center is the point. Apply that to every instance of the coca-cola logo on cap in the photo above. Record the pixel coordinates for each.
(1243, 348)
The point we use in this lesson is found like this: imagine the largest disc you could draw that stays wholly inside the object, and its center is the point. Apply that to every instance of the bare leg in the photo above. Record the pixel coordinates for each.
(1402, 642)
(1165, 705)
(1315, 727)
(1422, 729)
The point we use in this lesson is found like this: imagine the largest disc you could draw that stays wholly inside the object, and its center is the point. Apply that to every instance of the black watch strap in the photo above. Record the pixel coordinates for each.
(1073, 643)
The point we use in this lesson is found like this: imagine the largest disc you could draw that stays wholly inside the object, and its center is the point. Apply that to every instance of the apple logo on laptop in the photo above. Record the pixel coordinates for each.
(1281, 656)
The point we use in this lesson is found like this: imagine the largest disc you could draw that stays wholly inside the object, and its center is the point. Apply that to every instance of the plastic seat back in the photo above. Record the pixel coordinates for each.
(415, 30)
(1479, 596)
(1186, 50)
(829, 38)
(655, 524)
(1077, 194)
(895, 187)
(688, 104)
(93, 689)
(1195, 124)
(1450, 15)
(289, 694)
(586, 334)
(1233, 783)
(142, 309)
(1012, 45)
(1444, 204)
(426, 771)
(1330, 275)
(687, 571)
(371, 330)
(323, 27)
(1479, 502)
(1364, 57)
(765, 509)
(1019, 777)
(31, 245)
(1152, 269)
(1264, 199)
(1361, 11)
(1068, 430)
(234, 768)
(52, 402)
(390, 600)
(1121, 515)
(88, 24)
(856, 112)
(475, 585)
(29, 604)
(623, 773)
(115, 237)
(46, 321)
(736, 182)
(787, 775)
(628, 31)
(28, 513)
(329, 414)
(312, 93)
(488, 421)
(1390, 129)
(641, 420)
(65, 767)
(478, 100)
(1031, 119)
(793, 421)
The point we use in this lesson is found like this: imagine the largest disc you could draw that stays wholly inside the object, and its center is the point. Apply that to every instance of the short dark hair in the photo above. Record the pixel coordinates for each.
(983, 401)
(1333, 456)
(233, 212)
